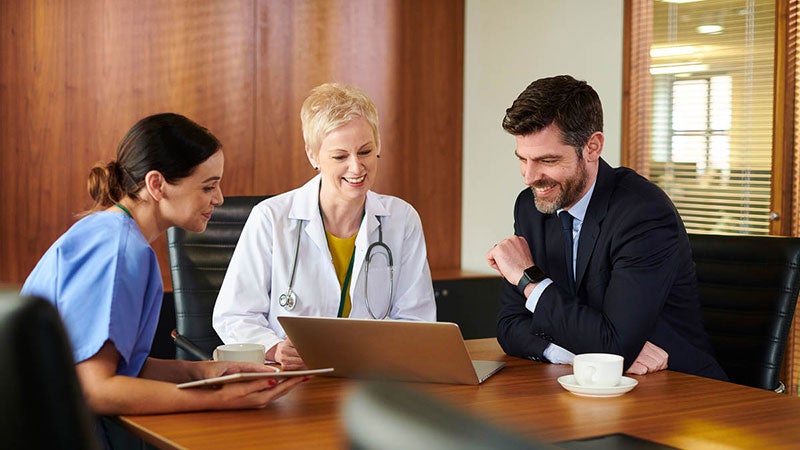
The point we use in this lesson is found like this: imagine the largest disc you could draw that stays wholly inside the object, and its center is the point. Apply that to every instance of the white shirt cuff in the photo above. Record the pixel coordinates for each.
(533, 300)
(558, 355)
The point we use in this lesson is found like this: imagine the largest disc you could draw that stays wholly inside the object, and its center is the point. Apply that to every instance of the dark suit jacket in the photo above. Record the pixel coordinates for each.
(635, 280)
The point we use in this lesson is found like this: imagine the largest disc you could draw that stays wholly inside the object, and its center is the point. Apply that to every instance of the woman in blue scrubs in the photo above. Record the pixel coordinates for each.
(105, 281)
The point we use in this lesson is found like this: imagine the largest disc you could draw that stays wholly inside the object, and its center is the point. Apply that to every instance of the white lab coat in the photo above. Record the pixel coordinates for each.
(247, 307)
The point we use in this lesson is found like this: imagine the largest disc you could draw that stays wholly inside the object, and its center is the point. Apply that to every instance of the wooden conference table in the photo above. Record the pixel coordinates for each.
(668, 407)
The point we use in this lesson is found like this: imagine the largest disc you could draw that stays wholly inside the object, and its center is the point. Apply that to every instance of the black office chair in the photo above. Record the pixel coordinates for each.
(748, 290)
(471, 302)
(383, 415)
(42, 403)
(198, 262)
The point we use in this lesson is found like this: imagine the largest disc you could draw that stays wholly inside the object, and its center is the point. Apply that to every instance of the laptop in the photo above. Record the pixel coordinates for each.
(403, 350)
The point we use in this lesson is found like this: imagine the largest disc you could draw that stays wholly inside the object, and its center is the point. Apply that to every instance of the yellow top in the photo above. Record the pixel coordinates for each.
(342, 252)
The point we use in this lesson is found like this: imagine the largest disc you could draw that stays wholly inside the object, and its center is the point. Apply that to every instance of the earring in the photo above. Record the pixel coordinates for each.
(378, 155)
(315, 167)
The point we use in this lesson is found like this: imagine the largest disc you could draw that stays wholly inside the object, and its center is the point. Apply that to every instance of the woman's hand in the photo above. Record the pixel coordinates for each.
(154, 391)
(213, 369)
(286, 354)
(254, 394)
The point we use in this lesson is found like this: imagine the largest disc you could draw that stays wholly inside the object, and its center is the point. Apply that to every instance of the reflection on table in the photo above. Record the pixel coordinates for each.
(667, 407)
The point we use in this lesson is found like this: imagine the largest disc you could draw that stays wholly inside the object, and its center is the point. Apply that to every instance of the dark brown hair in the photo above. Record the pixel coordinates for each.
(168, 143)
(572, 105)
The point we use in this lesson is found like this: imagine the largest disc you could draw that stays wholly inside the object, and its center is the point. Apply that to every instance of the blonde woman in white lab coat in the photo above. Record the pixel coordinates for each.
(299, 249)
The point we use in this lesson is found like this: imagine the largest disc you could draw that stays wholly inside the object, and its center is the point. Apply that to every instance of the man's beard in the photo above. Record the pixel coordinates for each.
(571, 190)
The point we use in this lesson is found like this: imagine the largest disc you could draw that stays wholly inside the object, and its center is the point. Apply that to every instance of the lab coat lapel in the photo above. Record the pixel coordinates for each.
(306, 208)
(367, 234)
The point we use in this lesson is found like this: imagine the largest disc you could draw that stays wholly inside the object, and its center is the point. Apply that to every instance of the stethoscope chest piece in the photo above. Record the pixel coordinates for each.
(288, 300)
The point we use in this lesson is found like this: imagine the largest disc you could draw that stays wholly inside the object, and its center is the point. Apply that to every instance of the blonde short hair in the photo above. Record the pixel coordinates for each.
(331, 105)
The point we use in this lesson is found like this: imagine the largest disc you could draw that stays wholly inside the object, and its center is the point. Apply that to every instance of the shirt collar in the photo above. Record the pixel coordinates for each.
(578, 210)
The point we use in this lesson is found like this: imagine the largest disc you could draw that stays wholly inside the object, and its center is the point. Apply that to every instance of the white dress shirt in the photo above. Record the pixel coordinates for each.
(554, 353)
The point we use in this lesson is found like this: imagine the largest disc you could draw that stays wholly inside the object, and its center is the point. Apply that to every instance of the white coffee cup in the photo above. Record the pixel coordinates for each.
(597, 369)
(240, 352)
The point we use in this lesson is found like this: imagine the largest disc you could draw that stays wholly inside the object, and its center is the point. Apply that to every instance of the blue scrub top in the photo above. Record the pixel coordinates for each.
(103, 277)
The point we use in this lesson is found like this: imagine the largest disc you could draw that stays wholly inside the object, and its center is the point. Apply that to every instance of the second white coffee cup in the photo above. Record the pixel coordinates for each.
(597, 369)
(240, 352)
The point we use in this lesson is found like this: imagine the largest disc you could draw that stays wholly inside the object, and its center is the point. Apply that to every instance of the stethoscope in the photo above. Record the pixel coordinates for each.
(288, 300)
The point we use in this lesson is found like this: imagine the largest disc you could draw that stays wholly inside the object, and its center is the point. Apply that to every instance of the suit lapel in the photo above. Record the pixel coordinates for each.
(586, 243)
(595, 213)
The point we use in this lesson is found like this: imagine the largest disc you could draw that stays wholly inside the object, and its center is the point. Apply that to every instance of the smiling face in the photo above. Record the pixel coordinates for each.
(348, 161)
(189, 202)
(553, 170)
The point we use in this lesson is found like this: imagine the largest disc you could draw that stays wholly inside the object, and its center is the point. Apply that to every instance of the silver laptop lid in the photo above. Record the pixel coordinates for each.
(388, 349)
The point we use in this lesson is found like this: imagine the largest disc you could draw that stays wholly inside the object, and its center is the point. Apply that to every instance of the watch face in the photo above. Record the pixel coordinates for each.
(535, 274)
(530, 275)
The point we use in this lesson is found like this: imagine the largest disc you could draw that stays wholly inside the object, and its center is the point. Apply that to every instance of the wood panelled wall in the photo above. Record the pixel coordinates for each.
(74, 76)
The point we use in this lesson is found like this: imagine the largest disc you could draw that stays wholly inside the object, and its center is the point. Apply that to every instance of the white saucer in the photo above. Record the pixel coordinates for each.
(625, 384)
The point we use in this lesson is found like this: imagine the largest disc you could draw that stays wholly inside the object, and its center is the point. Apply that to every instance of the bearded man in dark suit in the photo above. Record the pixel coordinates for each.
(600, 260)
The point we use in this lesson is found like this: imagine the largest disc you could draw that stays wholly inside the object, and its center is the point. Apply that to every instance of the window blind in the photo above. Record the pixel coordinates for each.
(709, 82)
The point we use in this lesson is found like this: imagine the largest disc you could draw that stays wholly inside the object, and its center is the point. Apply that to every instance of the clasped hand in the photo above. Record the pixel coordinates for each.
(510, 257)
(286, 354)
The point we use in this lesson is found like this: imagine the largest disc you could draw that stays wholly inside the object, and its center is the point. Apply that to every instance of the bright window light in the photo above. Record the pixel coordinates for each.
(662, 69)
(709, 29)
(680, 50)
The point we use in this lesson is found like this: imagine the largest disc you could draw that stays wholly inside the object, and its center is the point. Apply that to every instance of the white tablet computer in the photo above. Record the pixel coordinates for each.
(245, 376)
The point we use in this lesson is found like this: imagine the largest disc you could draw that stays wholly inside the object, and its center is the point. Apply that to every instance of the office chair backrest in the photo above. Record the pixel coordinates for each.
(471, 302)
(198, 262)
(748, 290)
(42, 404)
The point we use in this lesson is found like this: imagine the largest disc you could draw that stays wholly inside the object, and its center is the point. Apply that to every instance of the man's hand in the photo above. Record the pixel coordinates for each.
(651, 359)
(510, 257)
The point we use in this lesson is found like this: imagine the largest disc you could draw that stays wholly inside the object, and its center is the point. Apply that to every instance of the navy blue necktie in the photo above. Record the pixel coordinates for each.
(566, 235)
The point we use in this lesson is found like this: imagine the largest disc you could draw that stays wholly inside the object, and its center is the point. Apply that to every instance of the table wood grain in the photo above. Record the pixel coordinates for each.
(667, 407)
